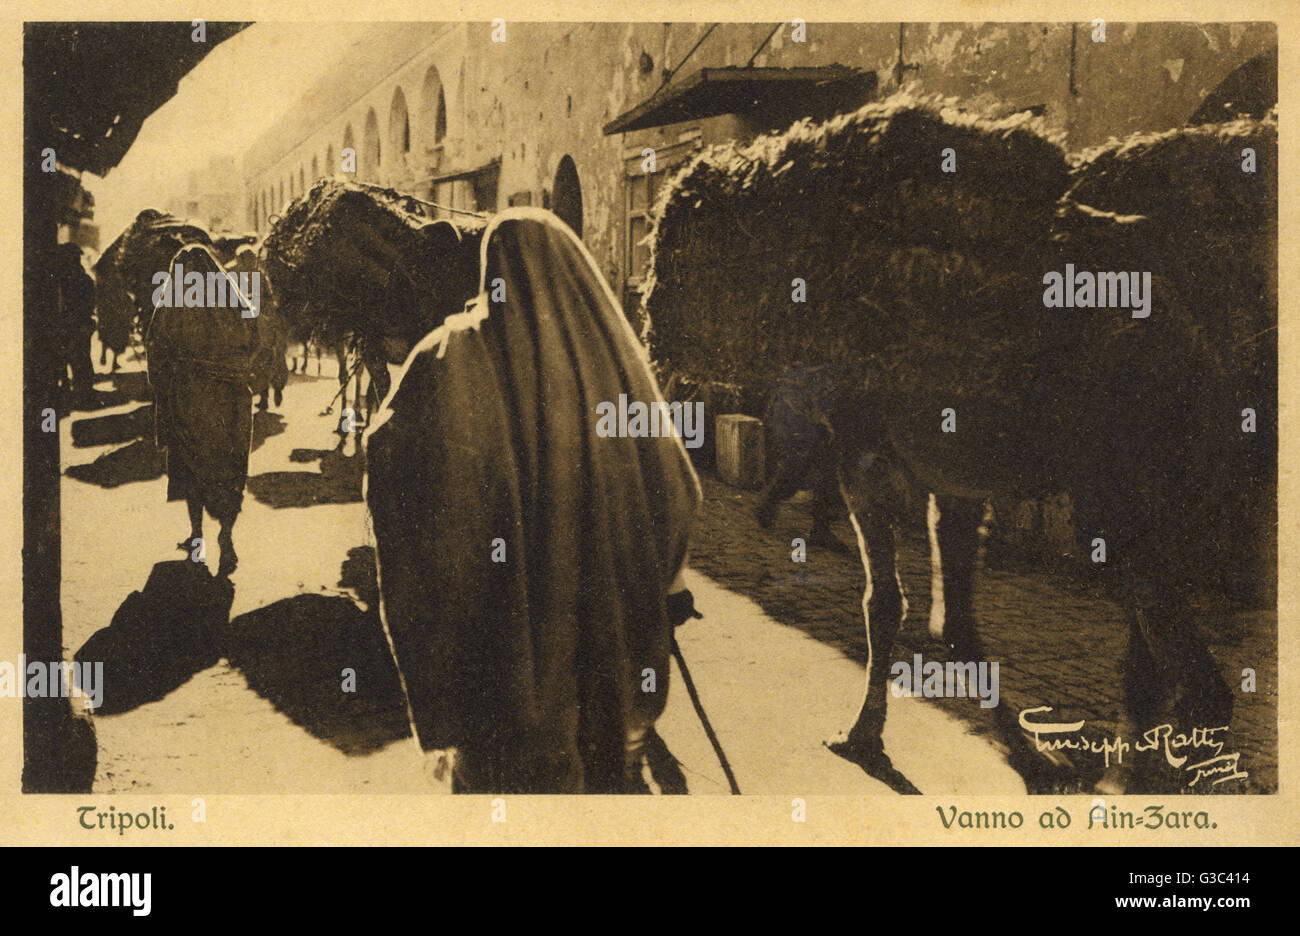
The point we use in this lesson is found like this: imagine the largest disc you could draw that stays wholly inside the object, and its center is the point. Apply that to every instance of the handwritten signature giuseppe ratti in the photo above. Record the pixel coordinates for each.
(1218, 767)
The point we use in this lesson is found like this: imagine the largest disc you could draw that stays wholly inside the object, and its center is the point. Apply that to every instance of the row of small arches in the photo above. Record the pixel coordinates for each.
(432, 124)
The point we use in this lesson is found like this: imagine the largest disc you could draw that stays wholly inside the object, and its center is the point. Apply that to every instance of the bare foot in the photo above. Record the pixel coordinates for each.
(229, 559)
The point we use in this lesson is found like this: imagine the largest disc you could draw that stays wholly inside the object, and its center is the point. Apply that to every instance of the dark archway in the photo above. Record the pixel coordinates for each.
(566, 195)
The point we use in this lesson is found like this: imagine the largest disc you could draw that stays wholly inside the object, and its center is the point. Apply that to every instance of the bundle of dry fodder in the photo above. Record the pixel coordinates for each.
(146, 248)
(846, 242)
(350, 259)
(1209, 197)
(1206, 230)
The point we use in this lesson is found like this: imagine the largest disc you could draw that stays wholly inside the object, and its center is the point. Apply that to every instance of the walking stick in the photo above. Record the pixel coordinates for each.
(704, 718)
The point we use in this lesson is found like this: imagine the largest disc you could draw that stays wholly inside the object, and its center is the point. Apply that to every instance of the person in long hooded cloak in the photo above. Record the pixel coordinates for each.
(524, 561)
(200, 357)
(270, 371)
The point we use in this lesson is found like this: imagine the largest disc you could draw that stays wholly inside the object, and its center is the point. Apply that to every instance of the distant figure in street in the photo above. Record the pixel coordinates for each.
(525, 563)
(200, 367)
(799, 443)
(77, 319)
(270, 371)
(114, 308)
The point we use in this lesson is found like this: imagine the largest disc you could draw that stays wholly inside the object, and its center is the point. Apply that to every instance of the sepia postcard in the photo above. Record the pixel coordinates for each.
(674, 424)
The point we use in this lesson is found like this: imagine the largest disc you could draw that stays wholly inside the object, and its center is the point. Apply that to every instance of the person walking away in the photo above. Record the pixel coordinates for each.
(200, 368)
(524, 561)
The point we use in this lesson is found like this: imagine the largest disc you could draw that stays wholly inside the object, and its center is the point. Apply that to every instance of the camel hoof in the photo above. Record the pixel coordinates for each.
(871, 757)
(1046, 776)
(859, 752)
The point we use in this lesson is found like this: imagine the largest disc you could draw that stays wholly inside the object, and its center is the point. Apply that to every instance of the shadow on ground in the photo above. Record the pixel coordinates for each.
(324, 663)
(338, 481)
(319, 659)
(265, 425)
(126, 386)
(113, 429)
(360, 574)
(296, 653)
(139, 459)
(160, 636)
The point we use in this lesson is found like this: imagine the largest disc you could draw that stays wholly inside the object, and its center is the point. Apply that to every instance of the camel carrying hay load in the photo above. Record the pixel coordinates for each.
(1198, 380)
(146, 248)
(356, 260)
(846, 242)
(931, 289)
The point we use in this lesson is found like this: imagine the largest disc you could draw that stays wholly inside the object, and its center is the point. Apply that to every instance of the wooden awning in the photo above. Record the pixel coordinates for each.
(489, 166)
(98, 82)
(711, 92)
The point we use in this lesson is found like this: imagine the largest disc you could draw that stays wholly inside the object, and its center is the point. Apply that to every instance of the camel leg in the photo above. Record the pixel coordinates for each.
(955, 543)
(884, 607)
(957, 538)
(1167, 662)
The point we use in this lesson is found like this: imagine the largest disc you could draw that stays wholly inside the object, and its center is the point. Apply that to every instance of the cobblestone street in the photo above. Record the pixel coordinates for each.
(1057, 644)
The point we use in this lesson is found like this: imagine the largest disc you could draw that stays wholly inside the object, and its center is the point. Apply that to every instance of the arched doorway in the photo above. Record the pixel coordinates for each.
(566, 195)
(399, 125)
(370, 151)
(433, 109)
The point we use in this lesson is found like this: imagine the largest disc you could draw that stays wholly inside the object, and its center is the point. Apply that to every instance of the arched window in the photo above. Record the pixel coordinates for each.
(399, 124)
(433, 109)
(370, 152)
(566, 195)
